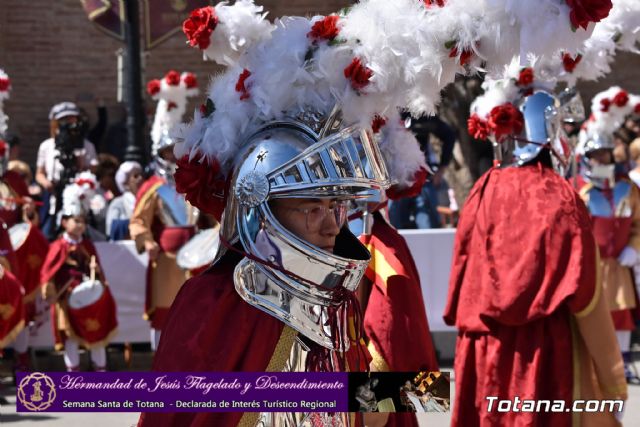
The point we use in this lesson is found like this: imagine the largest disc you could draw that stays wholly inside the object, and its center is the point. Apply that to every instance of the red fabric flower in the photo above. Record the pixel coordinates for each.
(605, 103)
(190, 80)
(505, 120)
(171, 105)
(465, 56)
(419, 178)
(84, 181)
(240, 85)
(526, 77)
(3, 148)
(636, 109)
(326, 28)
(478, 128)
(4, 84)
(377, 123)
(358, 74)
(621, 98)
(585, 11)
(172, 78)
(203, 110)
(201, 183)
(199, 26)
(153, 87)
(569, 63)
(430, 3)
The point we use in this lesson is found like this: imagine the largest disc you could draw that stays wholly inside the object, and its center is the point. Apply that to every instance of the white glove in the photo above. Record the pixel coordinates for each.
(628, 257)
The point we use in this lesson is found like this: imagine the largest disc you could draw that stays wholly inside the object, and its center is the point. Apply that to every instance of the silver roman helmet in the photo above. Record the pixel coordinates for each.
(296, 282)
(543, 114)
(601, 176)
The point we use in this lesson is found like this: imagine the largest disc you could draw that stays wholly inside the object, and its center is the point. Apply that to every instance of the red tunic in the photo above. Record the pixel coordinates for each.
(65, 262)
(210, 328)
(524, 260)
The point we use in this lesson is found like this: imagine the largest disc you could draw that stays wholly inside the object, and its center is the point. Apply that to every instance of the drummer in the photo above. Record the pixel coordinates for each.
(71, 261)
(17, 210)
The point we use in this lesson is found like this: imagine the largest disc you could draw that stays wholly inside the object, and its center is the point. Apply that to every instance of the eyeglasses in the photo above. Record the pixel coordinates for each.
(315, 216)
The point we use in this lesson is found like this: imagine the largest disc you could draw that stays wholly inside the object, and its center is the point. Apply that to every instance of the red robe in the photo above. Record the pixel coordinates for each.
(523, 262)
(395, 319)
(210, 328)
(92, 325)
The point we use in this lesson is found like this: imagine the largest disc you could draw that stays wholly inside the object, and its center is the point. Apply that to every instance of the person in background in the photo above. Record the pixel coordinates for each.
(423, 207)
(65, 131)
(72, 260)
(634, 154)
(128, 179)
(614, 204)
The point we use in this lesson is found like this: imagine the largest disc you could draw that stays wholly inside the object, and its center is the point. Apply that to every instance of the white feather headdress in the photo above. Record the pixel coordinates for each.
(5, 87)
(171, 92)
(609, 109)
(80, 197)
(369, 60)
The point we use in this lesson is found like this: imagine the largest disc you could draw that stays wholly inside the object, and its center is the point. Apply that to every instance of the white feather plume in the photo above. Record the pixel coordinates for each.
(239, 27)
(172, 104)
(4, 95)
(412, 53)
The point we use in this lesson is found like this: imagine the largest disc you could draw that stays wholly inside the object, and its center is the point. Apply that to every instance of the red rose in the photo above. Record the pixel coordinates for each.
(377, 123)
(171, 105)
(526, 77)
(585, 11)
(621, 98)
(358, 74)
(465, 56)
(419, 178)
(3, 148)
(240, 85)
(636, 109)
(153, 87)
(478, 128)
(199, 26)
(569, 63)
(505, 120)
(172, 78)
(201, 183)
(4, 84)
(605, 104)
(203, 110)
(430, 3)
(190, 80)
(326, 28)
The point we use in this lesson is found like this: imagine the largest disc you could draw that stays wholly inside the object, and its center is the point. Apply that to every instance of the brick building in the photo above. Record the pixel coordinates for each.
(52, 52)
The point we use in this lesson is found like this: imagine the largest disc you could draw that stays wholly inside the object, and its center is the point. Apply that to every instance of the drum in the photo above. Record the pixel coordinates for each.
(92, 313)
(18, 234)
(200, 250)
(85, 294)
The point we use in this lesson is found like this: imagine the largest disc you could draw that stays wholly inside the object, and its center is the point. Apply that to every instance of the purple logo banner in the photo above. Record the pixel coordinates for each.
(182, 392)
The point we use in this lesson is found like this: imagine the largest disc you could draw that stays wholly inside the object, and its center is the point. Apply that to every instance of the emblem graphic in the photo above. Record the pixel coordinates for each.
(36, 391)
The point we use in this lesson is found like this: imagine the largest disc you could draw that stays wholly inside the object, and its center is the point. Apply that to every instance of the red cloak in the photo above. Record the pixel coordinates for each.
(395, 319)
(524, 260)
(210, 328)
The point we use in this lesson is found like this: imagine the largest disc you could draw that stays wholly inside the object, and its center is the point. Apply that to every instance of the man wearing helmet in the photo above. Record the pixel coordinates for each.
(523, 290)
(162, 220)
(614, 204)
